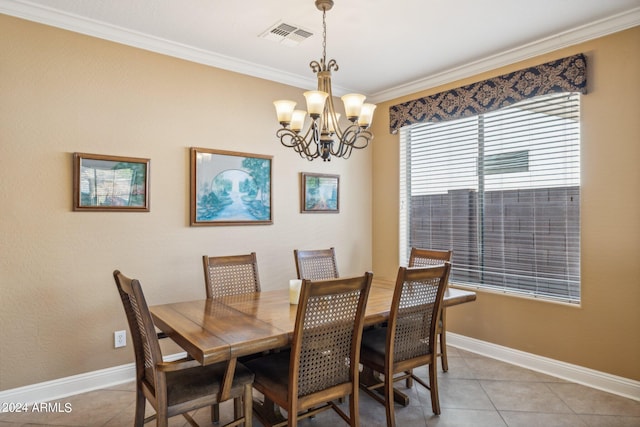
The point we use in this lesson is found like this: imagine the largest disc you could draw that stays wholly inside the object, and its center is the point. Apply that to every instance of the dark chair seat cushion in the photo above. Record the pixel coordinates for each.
(194, 383)
(373, 345)
(272, 372)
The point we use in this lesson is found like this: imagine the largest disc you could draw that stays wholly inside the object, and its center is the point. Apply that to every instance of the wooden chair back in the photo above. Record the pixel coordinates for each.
(231, 274)
(415, 309)
(326, 341)
(316, 264)
(426, 257)
(143, 334)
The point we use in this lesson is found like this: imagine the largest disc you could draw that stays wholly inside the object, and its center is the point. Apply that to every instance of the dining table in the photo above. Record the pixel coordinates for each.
(216, 330)
(230, 327)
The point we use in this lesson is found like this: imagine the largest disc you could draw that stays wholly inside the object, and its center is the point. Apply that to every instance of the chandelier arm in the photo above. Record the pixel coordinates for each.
(289, 138)
(316, 66)
(353, 137)
(365, 136)
(309, 144)
(300, 144)
(345, 151)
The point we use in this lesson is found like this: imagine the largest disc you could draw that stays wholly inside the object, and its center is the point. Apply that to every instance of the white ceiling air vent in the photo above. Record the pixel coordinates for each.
(287, 34)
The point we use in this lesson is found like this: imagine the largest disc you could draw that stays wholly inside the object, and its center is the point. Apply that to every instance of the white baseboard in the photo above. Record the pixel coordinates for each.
(75, 384)
(68, 386)
(599, 380)
(82, 383)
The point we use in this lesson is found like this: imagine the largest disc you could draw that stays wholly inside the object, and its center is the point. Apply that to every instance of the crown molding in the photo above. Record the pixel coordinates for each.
(596, 29)
(78, 24)
(49, 16)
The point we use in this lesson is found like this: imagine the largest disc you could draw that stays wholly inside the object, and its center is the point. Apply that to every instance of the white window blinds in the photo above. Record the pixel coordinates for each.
(502, 190)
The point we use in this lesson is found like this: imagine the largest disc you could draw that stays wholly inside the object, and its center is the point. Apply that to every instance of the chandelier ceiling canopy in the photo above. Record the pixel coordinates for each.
(324, 137)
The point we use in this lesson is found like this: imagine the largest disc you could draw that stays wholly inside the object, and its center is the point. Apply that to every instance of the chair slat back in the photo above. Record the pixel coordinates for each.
(143, 335)
(231, 275)
(426, 257)
(414, 311)
(316, 264)
(328, 331)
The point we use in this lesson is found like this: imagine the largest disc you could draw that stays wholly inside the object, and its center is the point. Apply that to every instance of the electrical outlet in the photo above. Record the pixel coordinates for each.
(120, 339)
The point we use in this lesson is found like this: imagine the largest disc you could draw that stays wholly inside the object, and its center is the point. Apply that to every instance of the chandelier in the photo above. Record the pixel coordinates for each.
(324, 137)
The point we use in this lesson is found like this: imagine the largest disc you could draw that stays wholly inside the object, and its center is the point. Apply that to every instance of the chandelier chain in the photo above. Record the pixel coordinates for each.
(324, 37)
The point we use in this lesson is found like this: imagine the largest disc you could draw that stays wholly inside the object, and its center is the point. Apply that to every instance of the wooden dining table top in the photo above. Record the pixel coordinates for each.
(215, 330)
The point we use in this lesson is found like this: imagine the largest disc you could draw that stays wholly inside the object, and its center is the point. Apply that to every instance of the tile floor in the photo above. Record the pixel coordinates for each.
(477, 391)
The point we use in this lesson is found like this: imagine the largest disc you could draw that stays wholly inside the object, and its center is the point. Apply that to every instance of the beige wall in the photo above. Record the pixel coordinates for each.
(604, 333)
(62, 92)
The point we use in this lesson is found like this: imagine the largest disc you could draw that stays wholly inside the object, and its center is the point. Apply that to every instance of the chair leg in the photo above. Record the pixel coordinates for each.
(247, 401)
(409, 380)
(354, 408)
(443, 351)
(433, 386)
(162, 420)
(292, 417)
(389, 401)
(237, 407)
(140, 406)
(215, 413)
(443, 340)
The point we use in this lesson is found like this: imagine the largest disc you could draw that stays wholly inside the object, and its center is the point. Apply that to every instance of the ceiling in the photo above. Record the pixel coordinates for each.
(385, 48)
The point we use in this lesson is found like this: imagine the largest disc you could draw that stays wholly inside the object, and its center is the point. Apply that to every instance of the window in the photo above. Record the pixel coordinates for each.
(502, 190)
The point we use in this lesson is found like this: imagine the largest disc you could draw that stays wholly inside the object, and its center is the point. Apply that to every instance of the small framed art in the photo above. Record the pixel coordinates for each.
(110, 183)
(230, 188)
(320, 193)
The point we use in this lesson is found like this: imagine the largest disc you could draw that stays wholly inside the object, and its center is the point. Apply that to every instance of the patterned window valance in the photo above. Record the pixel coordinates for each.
(563, 75)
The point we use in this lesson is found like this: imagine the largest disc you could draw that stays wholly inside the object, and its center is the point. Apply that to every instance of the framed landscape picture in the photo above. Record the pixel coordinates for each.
(230, 188)
(320, 193)
(110, 183)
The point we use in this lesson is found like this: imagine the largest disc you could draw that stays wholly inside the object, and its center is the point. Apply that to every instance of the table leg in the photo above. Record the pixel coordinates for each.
(268, 412)
(368, 378)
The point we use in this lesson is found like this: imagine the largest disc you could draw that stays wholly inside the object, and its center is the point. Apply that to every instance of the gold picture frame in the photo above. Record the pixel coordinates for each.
(320, 193)
(103, 183)
(230, 188)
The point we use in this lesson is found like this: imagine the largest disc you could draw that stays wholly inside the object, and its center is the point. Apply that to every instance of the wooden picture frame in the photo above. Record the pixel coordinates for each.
(103, 183)
(320, 193)
(230, 188)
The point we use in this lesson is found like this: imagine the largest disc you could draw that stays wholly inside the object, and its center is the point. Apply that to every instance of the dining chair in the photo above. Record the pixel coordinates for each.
(409, 338)
(316, 264)
(322, 364)
(424, 258)
(231, 274)
(181, 386)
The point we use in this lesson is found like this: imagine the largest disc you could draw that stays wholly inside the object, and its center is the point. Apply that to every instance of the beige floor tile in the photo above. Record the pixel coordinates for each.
(465, 418)
(485, 368)
(451, 352)
(467, 354)
(523, 396)
(610, 421)
(536, 419)
(458, 368)
(94, 408)
(463, 394)
(586, 400)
